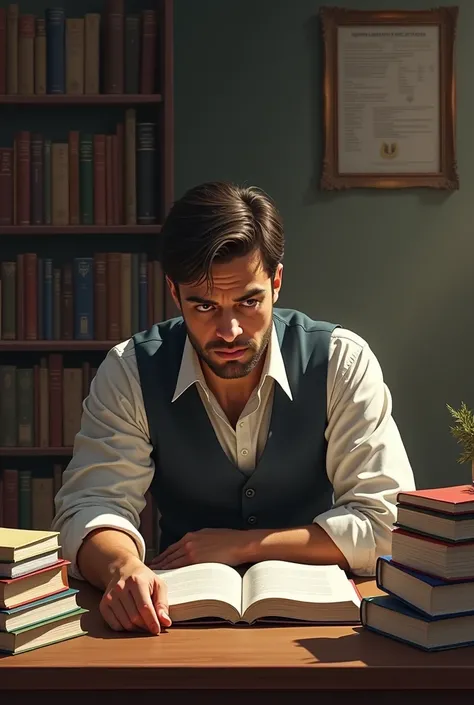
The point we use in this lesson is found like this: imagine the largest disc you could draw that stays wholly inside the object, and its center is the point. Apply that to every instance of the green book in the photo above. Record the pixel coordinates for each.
(51, 631)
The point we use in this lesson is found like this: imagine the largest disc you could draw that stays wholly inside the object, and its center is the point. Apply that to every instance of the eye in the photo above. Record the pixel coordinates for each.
(204, 308)
(250, 303)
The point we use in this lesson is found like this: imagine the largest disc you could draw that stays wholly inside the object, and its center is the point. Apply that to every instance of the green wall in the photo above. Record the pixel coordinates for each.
(396, 267)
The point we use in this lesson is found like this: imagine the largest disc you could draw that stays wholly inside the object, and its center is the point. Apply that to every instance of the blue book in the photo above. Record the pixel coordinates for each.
(429, 595)
(384, 614)
(83, 297)
(55, 23)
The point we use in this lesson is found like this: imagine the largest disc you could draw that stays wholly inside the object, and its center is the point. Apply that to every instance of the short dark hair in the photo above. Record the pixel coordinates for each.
(216, 222)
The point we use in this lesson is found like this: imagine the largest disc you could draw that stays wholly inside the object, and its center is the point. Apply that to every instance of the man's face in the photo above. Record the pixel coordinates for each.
(230, 325)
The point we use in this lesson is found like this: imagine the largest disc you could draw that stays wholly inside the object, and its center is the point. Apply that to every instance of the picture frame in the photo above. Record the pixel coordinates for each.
(389, 99)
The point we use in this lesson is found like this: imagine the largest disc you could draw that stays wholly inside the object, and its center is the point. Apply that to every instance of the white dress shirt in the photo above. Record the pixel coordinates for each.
(111, 469)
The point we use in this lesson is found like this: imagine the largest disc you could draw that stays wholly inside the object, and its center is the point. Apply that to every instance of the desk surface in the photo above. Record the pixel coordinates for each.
(259, 658)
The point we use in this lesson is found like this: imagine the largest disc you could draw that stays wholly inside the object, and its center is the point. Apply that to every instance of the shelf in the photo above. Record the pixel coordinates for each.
(102, 99)
(22, 452)
(80, 229)
(56, 345)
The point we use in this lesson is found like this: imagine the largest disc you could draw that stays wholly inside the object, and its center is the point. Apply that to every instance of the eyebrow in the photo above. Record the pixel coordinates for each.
(256, 291)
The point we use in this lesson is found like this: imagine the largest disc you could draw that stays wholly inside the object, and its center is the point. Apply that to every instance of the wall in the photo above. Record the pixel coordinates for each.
(397, 267)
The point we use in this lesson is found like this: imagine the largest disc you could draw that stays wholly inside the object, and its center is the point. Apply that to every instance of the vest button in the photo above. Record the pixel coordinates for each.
(249, 492)
(252, 519)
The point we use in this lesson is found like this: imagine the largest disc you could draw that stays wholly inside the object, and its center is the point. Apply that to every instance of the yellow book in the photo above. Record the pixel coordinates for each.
(19, 544)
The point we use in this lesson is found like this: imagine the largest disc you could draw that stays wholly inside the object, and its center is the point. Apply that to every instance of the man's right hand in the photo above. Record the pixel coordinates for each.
(135, 599)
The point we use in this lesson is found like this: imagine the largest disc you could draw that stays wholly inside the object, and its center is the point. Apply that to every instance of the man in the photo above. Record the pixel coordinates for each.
(262, 433)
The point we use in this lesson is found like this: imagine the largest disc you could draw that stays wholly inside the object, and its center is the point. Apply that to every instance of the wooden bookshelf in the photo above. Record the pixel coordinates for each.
(152, 230)
(34, 452)
(56, 345)
(49, 363)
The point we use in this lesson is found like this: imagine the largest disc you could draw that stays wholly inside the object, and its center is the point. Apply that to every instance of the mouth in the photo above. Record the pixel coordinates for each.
(231, 354)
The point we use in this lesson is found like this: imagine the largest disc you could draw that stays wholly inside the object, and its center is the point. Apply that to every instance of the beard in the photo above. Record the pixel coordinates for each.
(232, 369)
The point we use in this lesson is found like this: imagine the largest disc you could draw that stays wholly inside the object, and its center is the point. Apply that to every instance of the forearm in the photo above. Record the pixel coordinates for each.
(101, 552)
(305, 544)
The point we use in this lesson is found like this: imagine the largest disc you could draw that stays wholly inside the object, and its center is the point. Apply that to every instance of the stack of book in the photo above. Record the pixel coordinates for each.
(37, 605)
(429, 577)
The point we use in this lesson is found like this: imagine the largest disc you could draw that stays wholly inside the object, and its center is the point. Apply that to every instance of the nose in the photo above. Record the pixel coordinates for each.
(228, 328)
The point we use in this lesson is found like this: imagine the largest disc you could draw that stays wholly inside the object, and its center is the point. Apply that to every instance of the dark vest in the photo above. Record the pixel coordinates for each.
(195, 485)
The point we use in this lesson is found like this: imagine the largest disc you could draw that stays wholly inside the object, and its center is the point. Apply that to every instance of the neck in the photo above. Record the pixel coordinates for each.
(233, 394)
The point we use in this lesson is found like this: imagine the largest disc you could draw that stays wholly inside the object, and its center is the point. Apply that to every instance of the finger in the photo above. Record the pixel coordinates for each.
(131, 608)
(160, 601)
(164, 561)
(110, 618)
(169, 550)
(178, 562)
(120, 614)
(145, 607)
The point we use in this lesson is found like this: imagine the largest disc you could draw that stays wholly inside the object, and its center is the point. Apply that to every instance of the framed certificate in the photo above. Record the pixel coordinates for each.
(389, 99)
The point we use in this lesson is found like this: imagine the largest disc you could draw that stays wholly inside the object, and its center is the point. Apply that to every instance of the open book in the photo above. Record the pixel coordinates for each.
(267, 591)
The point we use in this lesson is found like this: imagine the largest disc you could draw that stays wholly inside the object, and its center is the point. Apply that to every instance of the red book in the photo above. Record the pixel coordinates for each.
(34, 586)
(458, 499)
(148, 62)
(56, 399)
(74, 194)
(100, 182)
(23, 180)
(6, 186)
(31, 295)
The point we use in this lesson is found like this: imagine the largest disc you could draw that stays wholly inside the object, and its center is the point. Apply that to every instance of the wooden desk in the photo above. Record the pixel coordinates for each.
(234, 665)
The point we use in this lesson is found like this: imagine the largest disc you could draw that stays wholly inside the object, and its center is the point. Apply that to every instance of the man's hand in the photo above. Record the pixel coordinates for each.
(204, 546)
(135, 599)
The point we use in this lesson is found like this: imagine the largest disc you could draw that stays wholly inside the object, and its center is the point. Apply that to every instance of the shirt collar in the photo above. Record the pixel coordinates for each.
(190, 371)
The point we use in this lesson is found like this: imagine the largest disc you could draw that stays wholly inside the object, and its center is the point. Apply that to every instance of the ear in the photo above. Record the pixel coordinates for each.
(277, 282)
(174, 292)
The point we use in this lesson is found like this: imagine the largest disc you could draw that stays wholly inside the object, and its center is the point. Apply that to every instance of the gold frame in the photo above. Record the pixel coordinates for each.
(447, 178)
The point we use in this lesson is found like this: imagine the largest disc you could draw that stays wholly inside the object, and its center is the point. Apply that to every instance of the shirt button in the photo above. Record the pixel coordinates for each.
(252, 519)
(244, 451)
(250, 492)
(242, 424)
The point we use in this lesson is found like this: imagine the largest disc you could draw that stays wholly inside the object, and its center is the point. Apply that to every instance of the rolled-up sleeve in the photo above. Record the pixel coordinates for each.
(366, 460)
(111, 469)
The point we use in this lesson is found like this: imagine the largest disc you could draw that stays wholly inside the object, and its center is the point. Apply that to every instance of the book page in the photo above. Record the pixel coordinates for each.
(296, 581)
(203, 582)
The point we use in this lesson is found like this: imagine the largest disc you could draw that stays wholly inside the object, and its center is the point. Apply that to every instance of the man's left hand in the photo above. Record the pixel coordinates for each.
(204, 546)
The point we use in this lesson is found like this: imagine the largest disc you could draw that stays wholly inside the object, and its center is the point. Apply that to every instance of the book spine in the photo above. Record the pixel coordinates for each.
(109, 179)
(24, 499)
(100, 181)
(25, 407)
(135, 292)
(47, 178)
(37, 179)
(72, 404)
(13, 13)
(143, 292)
(20, 297)
(67, 308)
(42, 506)
(132, 54)
(55, 51)
(60, 183)
(8, 406)
(83, 298)
(48, 299)
(92, 23)
(74, 56)
(23, 166)
(10, 495)
(113, 302)
(150, 289)
(40, 56)
(126, 296)
(100, 295)
(30, 291)
(3, 52)
(149, 41)
(39, 297)
(6, 186)
(146, 173)
(55, 399)
(86, 178)
(26, 55)
(56, 303)
(114, 47)
(44, 415)
(74, 188)
(130, 167)
(8, 277)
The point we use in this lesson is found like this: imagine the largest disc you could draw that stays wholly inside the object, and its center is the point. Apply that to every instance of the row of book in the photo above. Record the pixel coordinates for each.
(429, 576)
(37, 605)
(111, 53)
(109, 297)
(41, 406)
(92, 179)
(27, 502)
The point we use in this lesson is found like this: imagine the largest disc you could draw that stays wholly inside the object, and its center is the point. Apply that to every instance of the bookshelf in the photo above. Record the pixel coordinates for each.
(54, 336)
